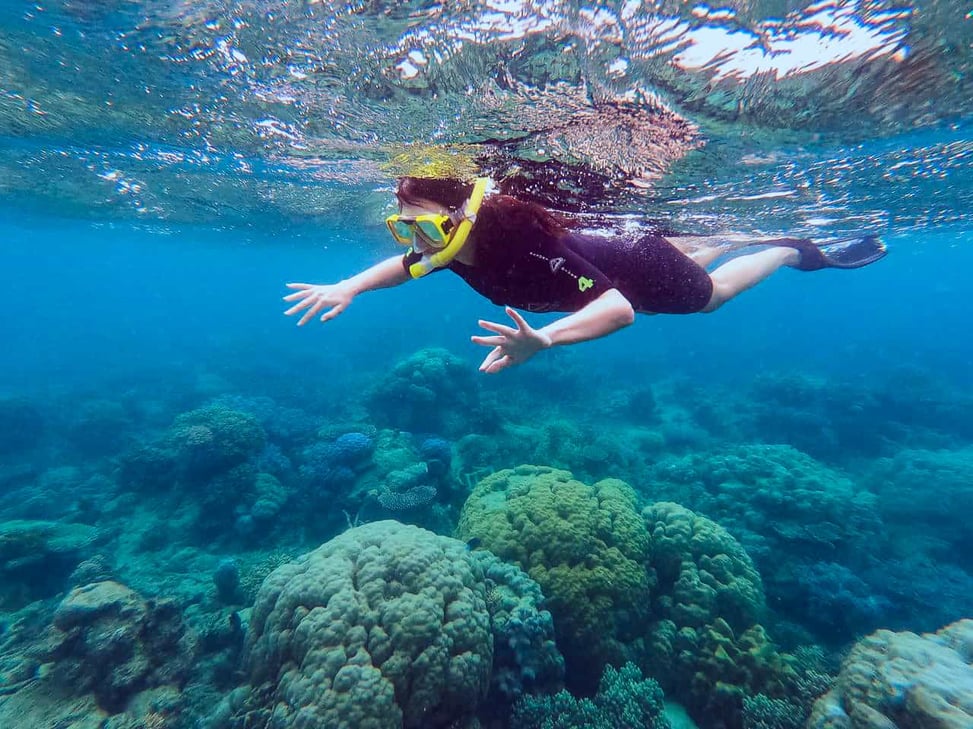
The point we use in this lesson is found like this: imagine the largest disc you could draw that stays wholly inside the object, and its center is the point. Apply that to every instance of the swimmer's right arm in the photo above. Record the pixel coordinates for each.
(335, 298)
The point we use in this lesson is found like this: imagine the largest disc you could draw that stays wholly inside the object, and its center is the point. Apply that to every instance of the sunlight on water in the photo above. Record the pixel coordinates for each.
(768, 112)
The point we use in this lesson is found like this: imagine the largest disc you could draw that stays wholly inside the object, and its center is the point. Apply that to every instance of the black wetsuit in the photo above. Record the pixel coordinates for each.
(572, 270)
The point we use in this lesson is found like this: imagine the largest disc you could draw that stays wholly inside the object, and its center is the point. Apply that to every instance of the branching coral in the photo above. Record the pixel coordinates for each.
(624, 699)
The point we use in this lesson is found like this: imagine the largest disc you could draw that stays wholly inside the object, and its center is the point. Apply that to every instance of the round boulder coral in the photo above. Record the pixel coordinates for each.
(431, 391)
(585, 545)
(777, 501)
(705, 646)
(703, 573)
(384, 626)
(214, 439)
(903, 680)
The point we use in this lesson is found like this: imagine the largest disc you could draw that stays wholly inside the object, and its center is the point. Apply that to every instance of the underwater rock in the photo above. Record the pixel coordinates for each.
(85, 605)
(227, 580)
(108, 641)
(37, 556)
(903, 680)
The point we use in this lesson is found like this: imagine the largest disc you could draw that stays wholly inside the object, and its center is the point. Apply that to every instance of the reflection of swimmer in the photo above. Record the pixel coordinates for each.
(520, 255)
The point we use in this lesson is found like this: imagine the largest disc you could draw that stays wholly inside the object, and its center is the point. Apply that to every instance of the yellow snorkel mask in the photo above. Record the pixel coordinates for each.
(447, 233)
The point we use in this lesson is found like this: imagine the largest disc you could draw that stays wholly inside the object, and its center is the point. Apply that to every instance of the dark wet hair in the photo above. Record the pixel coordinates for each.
(500, 216)
(446, 191)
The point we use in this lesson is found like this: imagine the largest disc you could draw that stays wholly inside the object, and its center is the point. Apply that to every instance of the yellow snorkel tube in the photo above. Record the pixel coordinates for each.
(457, 240)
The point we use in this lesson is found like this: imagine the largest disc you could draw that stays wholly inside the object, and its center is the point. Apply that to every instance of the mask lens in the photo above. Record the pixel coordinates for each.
(402, 231)
(432, 232)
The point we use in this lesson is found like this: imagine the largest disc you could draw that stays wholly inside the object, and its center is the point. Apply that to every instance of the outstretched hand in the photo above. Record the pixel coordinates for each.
(510, 346)
(315, 297)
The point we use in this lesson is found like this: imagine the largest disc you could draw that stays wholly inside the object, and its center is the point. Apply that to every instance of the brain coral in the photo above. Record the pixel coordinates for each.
(585, 545)
(384, 626)
(903, 680)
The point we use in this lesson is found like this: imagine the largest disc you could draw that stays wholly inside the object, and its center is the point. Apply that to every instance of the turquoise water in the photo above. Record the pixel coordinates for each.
(720, 507)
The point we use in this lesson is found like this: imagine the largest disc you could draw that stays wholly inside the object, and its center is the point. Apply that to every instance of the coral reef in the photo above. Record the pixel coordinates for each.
(706, 646)
(385, 625)
(149, 537)
(774, 498)
(585, 545)
(214, 439)
(431, 391)
(526, 659)
(789, 512)
(702, 571)
(938, 525)
(625, 700)
(108, 641)
(903, 680)
(37, 556)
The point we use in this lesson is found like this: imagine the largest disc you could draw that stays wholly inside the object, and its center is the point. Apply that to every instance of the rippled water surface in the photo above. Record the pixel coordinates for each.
(820, 116)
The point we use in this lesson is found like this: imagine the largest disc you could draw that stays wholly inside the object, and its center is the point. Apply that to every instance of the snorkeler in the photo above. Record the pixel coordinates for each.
(522, 256)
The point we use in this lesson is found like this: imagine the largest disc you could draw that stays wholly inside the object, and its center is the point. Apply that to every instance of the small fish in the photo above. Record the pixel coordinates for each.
(473, 544)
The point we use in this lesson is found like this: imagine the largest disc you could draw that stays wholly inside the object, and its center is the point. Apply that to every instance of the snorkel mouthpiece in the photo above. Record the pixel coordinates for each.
(457, 240)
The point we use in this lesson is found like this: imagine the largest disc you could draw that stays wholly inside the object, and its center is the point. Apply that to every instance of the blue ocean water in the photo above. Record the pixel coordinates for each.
(210, 517)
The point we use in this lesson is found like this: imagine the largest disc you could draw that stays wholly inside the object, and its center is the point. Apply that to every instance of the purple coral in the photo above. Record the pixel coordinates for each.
(437, 455)
(334, 465)
(351, 449)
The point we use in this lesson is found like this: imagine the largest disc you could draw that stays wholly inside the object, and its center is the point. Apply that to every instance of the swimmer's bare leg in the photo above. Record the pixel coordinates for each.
(744, 272)
(704, 249)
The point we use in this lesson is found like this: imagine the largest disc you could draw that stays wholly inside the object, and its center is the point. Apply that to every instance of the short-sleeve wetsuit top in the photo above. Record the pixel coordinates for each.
(566, 272)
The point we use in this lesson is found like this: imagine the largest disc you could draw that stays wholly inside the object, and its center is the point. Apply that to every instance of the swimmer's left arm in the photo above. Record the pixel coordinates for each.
(607, 314)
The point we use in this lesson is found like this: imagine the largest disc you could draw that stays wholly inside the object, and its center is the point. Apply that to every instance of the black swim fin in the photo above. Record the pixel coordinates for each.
(838, 253)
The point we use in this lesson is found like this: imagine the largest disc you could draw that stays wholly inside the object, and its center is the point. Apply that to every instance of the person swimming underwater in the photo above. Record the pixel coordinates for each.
(522, 256)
